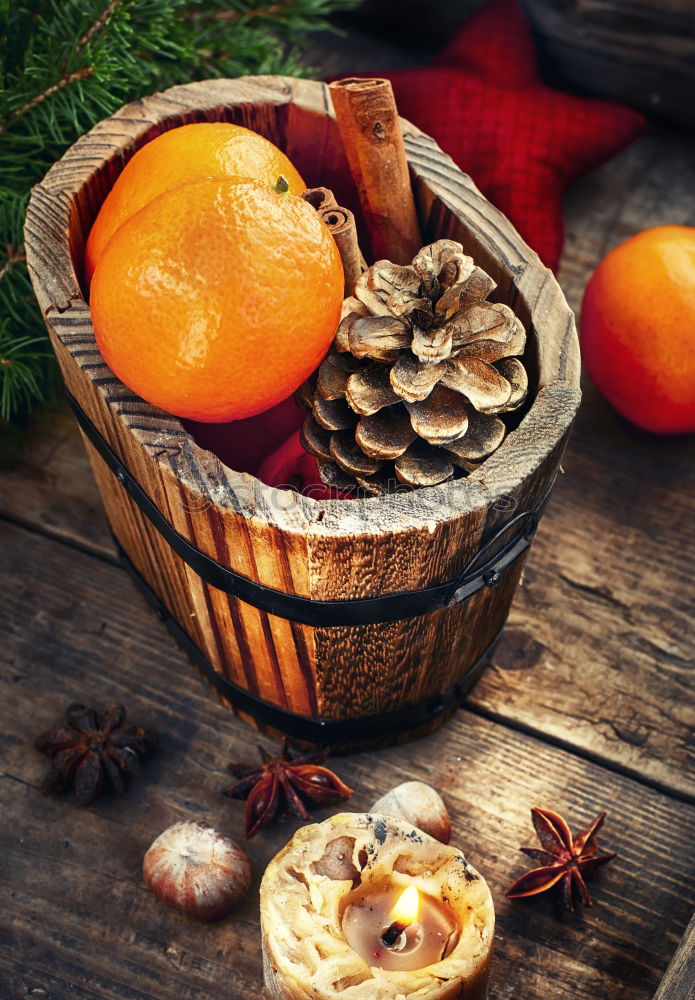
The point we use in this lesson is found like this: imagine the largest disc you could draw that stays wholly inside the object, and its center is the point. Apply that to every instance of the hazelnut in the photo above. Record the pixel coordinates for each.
(196, 869)
(419, 804)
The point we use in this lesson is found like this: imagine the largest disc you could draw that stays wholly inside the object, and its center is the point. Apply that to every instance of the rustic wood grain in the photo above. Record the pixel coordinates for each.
(679, 981)
(608, 567)
(50, 486)
(76, 917)
(326, 550)
(639, 52)
(610, 564)
(648, 184)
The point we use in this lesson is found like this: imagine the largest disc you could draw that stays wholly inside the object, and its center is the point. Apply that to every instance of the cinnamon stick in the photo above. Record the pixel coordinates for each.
(369, 126)
(319, 197)
(341, 223)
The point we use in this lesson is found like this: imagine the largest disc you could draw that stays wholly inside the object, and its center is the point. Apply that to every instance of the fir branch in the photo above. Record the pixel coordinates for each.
(65, 81)
(19, 359)
(96, 26)
(235, 16)
(13, 256)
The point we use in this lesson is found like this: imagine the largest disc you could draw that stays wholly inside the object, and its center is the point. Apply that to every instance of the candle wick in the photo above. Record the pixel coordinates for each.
(392, 934)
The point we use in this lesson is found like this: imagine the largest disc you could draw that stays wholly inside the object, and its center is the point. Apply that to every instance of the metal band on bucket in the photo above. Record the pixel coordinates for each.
(326, 732)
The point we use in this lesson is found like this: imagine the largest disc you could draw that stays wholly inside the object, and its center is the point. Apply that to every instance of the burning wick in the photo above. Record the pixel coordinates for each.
(404, 914)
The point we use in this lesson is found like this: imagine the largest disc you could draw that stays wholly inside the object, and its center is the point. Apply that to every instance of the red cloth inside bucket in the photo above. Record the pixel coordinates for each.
(268, 447)
(244, 444)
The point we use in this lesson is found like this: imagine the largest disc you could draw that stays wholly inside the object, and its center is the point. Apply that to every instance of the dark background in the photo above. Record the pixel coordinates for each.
(641, 52)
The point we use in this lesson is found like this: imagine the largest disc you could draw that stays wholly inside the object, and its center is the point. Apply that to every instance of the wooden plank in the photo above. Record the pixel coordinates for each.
(648, 184)
(605, 615)
(639, 52)
(76, 914)
(50, 486)
(569, 625)
(598, 652)
(679, 981)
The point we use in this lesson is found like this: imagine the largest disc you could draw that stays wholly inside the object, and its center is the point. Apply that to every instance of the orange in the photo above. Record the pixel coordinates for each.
(218, 298)
(185, 154)
(638, 329)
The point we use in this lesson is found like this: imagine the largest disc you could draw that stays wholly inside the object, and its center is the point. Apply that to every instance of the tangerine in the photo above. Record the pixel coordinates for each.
(218, 298)
(184, 154)
(638, 329)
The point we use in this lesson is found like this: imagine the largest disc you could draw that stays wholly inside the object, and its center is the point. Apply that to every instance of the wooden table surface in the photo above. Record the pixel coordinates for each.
(586, 706)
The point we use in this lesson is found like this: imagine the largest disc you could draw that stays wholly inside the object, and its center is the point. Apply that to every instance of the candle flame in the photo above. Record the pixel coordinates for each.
(407, 904)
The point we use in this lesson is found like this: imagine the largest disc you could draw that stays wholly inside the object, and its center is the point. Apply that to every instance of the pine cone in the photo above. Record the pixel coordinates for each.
(419, 367)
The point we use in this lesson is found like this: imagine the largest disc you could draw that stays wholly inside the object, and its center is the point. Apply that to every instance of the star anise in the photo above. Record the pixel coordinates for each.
(564, 858)
(283, 782)
(90, 746)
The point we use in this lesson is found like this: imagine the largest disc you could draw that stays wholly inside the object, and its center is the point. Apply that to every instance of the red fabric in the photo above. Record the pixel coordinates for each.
(268, 447)
(290, 465)
(520, 141)
(243, 444)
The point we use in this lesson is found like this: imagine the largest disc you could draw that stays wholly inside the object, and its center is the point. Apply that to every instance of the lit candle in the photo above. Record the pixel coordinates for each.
(370, 905)
(416, 931)
(402, 916)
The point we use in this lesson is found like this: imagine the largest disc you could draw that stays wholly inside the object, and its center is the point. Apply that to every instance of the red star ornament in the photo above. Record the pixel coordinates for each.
(522, 142)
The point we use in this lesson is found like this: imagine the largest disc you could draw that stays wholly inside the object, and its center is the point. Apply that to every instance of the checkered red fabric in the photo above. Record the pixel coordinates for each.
(520, 141)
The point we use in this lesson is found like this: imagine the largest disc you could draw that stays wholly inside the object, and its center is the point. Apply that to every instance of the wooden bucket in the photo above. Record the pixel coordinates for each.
(343, 622)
